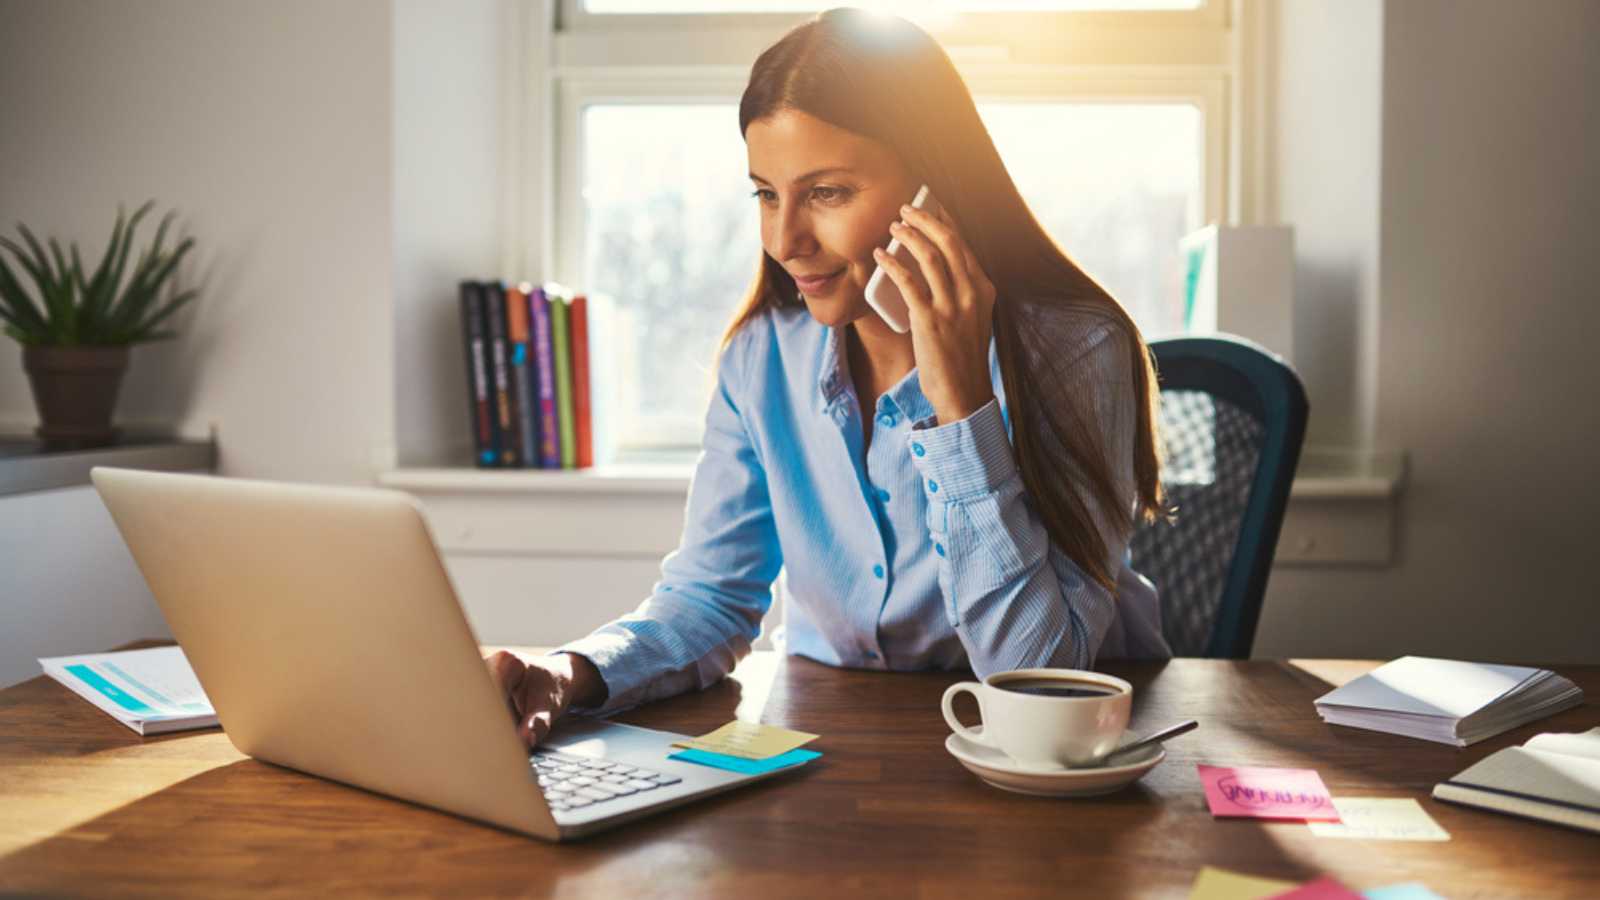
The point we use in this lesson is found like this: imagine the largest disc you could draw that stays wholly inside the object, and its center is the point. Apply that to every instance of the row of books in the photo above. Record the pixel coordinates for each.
(528, 386)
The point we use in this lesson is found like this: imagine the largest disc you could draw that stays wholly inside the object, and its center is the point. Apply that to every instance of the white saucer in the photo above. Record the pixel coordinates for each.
(999, 770)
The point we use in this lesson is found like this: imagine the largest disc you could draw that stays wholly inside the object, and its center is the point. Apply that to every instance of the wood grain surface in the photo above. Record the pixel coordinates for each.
(88, 808)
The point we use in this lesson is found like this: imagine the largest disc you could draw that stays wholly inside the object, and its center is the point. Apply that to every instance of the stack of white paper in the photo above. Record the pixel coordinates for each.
(1446, 700)
(151, 691)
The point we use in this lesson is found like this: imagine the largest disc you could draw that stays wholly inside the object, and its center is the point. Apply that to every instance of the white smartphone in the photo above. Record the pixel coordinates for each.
(882, 294)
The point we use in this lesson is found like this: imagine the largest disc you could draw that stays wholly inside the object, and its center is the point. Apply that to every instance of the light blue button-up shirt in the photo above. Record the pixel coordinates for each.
(917, 551)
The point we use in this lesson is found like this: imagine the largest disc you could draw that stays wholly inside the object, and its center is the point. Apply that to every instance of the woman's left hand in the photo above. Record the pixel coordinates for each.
(950, 305)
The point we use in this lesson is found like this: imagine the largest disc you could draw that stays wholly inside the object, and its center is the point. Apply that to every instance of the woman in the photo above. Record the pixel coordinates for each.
(959, 495)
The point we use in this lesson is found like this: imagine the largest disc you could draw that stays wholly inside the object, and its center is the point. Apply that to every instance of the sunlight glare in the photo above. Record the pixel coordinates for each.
(931, 15)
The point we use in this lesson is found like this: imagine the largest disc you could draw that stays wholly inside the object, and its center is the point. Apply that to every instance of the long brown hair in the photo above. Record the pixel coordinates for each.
(884, 78)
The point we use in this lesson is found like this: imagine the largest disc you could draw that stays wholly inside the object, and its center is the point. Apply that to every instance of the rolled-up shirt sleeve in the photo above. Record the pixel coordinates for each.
(706, 609)
(1014, 598)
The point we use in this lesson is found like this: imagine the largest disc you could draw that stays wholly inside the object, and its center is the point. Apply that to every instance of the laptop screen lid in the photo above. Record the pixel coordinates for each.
(324, 629)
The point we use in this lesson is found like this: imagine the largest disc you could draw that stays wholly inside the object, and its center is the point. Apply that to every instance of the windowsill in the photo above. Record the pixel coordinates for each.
(1327, 473)
(625, 478)
(1324, 474)
(1342, 509)
(24, 468)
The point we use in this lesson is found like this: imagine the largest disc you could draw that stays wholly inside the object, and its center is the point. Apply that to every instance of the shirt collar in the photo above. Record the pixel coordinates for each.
(906, 399)
(834, 374)
(833, 377)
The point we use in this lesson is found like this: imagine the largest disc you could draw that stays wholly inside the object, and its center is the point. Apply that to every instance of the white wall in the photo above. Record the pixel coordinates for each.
(1328, 103)
(452, 203)
(268, 126)
(1487, 243)
(69, 583)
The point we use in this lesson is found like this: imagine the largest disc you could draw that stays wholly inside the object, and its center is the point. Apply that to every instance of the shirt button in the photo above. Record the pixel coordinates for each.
(886, 420)
(877, 571)
(917, 449)
(883, 495)
(871, 655)
(933, 486)
(939, 548)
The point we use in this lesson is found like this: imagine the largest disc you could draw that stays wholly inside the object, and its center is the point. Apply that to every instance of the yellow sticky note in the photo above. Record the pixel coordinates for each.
(1220, 884)
(748, 740)
(1381, 819)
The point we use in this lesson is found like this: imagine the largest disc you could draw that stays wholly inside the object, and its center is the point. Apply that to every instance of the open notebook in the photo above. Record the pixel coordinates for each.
(1554, 777)
(1447, 700)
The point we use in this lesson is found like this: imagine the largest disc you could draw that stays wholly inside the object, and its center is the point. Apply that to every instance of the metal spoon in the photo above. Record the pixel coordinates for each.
(1170, 731)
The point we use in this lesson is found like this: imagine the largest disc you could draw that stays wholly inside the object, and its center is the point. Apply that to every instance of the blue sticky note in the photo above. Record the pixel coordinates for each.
(1411, 890)
(746, 766)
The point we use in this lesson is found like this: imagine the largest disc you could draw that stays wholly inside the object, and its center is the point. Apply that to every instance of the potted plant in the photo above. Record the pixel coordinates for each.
(77, 333)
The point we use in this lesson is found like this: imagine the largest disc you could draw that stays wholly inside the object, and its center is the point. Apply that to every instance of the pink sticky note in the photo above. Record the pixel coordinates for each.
(1323, 888)
(1265, 793)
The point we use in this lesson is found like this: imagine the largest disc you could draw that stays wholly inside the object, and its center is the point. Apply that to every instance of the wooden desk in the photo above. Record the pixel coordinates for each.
(87, 807)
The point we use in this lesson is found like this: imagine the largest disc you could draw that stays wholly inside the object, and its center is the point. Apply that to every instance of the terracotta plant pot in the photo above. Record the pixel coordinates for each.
(75, 391)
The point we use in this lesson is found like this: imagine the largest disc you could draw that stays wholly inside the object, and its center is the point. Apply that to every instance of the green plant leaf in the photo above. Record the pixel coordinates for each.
(135, 296)
(57, 301)
(73, 306)
(92, 291)
(68, 296)
(22, 308)
(144, 331)
(146, 285)
(85, 311)
(28, 264)
(101, 289)
(108, 314)
(39, 257)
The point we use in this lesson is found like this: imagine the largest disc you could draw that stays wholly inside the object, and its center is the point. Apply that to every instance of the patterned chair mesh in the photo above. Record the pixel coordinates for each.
(1212, 450)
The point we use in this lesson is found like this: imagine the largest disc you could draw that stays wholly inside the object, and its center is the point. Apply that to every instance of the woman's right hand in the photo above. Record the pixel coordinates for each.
(539, 690)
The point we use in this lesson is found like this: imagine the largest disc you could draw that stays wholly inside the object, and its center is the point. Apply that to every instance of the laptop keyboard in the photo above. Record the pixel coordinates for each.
(572, 782)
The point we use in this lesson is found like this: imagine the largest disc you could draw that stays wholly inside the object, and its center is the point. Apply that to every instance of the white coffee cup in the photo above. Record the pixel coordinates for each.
(1046, 718)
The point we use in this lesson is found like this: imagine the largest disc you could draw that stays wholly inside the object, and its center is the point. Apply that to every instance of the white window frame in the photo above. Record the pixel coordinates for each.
(574, 59)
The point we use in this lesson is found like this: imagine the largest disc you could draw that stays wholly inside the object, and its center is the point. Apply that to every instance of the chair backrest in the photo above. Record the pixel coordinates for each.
(1233, 417)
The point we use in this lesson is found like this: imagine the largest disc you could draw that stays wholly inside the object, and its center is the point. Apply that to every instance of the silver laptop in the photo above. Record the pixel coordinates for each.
(322, 625)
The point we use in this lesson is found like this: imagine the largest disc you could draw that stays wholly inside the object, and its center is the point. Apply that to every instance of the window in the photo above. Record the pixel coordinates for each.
(671, 237)
(1116, 185)
(1119, 154)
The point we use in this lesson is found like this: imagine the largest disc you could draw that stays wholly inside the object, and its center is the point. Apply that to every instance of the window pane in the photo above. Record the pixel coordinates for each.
(1116, 185)
(673, 236)
(664, 7)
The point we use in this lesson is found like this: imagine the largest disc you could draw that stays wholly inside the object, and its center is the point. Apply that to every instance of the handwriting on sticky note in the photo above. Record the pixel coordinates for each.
(748, 740)
(1220, 884)
(1380, 819)
(1267, 793)
(1323, 888)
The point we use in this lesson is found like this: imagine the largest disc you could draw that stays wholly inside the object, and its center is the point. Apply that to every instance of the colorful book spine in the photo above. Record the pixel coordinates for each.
(495, 310)
(524, 377)
(562, 338)
(479, 408)
(544, 361)
(583, 427)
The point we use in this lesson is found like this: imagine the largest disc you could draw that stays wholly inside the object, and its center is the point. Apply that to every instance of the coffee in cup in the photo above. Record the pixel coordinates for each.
(1046, 717)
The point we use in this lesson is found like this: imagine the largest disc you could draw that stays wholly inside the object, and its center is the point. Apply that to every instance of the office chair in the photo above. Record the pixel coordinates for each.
(1233, 417)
